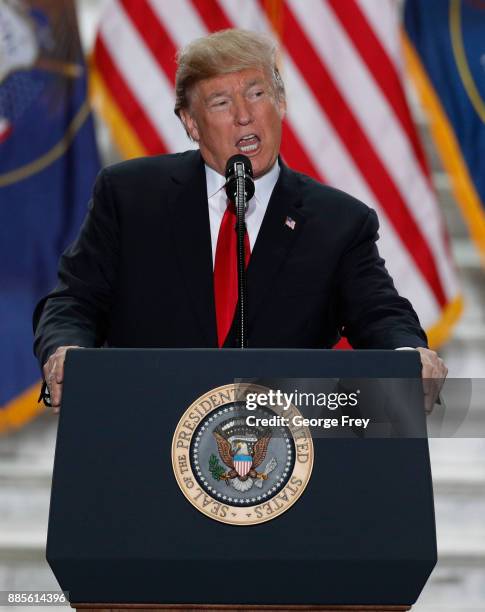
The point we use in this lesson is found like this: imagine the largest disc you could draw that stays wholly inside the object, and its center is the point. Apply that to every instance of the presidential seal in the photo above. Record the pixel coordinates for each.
(240, 466)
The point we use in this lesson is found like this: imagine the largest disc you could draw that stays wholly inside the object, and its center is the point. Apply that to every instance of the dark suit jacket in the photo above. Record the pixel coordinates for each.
(140, 272)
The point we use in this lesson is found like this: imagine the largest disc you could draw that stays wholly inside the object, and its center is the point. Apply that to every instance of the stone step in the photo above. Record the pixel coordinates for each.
(457, 588)
(454, 218)
(454, 581)
(449, 476)
(467, 259)
(33, 443)
(464, 358)
(23, 540)
(24, 504)
(461, 546)
(459, 483)
(459, 509)
(17, 574)
(455, 462)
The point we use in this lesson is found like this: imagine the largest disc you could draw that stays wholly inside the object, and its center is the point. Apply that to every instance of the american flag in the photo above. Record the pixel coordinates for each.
(348, 122)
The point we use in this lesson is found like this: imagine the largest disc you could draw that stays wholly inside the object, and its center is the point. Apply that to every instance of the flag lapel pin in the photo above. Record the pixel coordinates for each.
(291, 223)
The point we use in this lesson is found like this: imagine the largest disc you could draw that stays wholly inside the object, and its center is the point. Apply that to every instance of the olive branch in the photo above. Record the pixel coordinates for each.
(215, 468)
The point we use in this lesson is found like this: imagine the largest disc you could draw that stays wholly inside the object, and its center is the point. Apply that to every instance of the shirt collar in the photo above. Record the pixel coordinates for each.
(263, 186)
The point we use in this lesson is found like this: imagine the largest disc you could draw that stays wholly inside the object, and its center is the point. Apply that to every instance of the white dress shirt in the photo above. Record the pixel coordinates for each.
(257, 205)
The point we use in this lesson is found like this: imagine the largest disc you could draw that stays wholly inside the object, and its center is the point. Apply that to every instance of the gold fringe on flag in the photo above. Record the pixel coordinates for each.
(21, 409)
(274, 11)
(125, 138)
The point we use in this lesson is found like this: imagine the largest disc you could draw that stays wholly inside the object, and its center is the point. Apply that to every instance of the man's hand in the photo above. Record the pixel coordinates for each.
(434, 373)
(54, 375)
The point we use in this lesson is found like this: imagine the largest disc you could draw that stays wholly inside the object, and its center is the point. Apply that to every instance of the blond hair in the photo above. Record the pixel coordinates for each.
(224, 52)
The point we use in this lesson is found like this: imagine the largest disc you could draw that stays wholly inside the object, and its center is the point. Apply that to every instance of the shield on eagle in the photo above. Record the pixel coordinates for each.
(242, 463)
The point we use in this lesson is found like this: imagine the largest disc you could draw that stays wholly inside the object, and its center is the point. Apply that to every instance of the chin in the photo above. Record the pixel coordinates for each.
(258, 166)
(260, 170)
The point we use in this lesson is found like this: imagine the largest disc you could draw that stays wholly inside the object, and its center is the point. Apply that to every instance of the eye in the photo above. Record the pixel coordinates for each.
(256, 93)
(218, 104)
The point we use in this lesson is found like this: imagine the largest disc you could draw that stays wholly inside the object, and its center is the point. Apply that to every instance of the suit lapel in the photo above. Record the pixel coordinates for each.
(281, 226)
(192, 242)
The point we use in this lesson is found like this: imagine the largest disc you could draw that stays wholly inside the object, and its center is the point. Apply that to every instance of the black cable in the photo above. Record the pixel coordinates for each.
(241, 262)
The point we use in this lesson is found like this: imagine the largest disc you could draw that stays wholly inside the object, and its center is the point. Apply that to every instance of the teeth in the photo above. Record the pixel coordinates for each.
(248, 148)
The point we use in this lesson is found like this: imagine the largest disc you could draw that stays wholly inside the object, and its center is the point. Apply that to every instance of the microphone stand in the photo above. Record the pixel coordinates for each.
(240, 204)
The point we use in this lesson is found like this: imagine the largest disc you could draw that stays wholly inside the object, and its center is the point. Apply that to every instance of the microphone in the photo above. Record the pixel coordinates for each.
(240, 189)
(238, 170)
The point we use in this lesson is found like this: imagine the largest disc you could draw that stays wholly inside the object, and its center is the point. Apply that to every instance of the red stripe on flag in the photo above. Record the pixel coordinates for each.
(129, 106)
(294, 155)
(212, 15)
(351, 133)
(151, 29)
(381, 68)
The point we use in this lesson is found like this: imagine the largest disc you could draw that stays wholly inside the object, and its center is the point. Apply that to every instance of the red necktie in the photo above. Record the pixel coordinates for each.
(225, 272)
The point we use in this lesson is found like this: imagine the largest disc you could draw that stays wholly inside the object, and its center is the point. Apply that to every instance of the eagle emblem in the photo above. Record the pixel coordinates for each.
(236, 470)
(242, 449)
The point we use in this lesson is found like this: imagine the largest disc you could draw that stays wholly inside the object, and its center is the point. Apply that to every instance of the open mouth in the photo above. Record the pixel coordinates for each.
(248, 144)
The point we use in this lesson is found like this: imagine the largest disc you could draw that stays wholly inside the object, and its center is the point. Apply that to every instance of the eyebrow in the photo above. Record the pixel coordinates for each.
(225, 92)
(254, 82)
(216, 94)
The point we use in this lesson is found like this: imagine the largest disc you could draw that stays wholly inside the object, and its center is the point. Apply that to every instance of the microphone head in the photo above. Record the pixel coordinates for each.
(239, 158)
(236, 166)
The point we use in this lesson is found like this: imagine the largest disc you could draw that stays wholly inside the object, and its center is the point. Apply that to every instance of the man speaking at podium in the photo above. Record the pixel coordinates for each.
(154, 264)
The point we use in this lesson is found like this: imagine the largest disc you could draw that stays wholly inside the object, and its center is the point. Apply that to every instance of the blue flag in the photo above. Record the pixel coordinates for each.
(48, 164)
(446, 55)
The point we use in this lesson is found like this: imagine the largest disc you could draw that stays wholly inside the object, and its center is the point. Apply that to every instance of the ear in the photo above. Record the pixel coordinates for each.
(281, 102)
(190, 124)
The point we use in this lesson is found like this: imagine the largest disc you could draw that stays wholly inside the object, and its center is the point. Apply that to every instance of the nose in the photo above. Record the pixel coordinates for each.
(242, 112)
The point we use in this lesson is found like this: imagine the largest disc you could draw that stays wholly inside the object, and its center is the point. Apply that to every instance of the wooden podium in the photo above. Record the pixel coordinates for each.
(222, 608)
(123, 536)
